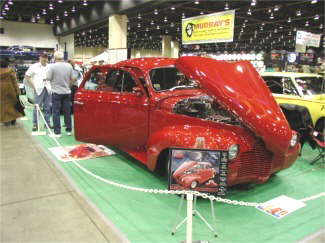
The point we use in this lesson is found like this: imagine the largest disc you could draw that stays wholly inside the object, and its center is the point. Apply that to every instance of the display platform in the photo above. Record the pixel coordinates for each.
(145, 217)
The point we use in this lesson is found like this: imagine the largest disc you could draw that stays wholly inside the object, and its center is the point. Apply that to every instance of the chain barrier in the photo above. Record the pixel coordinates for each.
(160, 191)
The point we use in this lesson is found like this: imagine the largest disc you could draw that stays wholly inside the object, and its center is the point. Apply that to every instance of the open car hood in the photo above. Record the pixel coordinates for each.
(239, 88)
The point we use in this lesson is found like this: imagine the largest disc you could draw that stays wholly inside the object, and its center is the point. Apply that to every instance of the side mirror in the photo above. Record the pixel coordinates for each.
(138, 91)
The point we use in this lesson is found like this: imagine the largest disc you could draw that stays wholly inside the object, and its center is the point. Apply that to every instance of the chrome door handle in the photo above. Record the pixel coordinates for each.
(78, 102)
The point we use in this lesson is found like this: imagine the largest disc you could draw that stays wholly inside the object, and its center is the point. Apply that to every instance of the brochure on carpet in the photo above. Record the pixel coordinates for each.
(81, 152)
(281, 206)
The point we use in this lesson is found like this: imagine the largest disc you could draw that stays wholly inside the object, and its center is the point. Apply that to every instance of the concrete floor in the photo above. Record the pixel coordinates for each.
(37, 201)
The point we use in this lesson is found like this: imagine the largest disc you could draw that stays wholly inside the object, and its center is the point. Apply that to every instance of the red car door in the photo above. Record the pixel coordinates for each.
(128, 112)
(85, 105)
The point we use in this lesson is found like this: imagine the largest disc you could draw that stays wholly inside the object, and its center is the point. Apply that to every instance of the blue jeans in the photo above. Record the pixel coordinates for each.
(44, 99)
(61, 101)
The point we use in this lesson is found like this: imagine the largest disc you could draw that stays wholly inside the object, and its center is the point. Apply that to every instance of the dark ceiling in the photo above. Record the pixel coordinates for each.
(264, 26)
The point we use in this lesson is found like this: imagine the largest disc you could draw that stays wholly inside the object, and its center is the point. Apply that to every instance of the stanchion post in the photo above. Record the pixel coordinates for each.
(189, 221)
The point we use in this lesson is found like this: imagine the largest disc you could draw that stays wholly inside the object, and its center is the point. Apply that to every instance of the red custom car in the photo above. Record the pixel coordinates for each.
(152, 104)
(191, 174)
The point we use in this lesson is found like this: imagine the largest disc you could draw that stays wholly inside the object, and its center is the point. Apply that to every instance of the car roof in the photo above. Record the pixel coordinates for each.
(147, 63)
(289, 74)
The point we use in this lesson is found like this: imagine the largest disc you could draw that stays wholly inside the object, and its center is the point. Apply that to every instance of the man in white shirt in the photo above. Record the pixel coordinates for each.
(36, 77)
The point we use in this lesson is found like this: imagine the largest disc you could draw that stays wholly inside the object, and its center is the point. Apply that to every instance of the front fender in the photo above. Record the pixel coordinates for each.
(186, 136)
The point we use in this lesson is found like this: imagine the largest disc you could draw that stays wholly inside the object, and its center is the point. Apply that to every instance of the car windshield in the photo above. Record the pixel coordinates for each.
(169, 78)
(310, 85)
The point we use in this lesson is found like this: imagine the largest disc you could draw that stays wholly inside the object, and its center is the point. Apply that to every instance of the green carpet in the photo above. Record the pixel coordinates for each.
(144, 217)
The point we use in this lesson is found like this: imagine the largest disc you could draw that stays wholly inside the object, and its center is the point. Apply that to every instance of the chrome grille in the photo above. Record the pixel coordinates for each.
(256, 162)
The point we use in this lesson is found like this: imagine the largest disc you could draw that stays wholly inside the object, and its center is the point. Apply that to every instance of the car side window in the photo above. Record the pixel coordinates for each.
(288, 87)
(96, 79)
(125, 84)
(274, 84)
(113, 78)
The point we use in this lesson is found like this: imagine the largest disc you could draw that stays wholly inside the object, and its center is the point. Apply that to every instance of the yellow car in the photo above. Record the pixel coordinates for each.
(302, 89)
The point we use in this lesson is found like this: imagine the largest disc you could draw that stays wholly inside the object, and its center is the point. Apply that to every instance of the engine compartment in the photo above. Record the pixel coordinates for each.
(206, 108)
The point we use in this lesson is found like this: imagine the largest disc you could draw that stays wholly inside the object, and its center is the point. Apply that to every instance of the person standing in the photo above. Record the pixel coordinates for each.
(60, 75)
(36, 78)
(76, 75)
(9, 92)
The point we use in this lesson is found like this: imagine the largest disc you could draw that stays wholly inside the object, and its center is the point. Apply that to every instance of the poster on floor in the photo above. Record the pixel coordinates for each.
(198, 170)
(281, 206)
(81, 152)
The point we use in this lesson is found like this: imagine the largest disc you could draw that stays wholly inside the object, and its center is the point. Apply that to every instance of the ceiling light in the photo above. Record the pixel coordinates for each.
(44, 11)
(165, 19)
(38, 16)
(158, 27)
(275, 30)
(307, 24)
(321, 26)
(51, 21)
(6, 7)
(313, 1)
(4, 13)
(65, 13)
(316, 17)
(152, 22)
(73, 9)
(85, 3)
(60, 1)
(226, 6)
(172, 8)
(249, 12)
(50, 6)
(201, 12)
(1, 17)
(298, 13)
(271, 16)
(172, 24)
(281, 27)
(57, 18)
(253, 3)
(155, 11)
(183, 15)
(139, 25)
(33, 20)
(10, 2)
(276, 8)
(139, 16)
(197, 2)
(289, 20)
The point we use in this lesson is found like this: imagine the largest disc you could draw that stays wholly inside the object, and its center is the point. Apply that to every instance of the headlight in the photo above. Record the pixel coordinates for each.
(233, 151)
(294, 140)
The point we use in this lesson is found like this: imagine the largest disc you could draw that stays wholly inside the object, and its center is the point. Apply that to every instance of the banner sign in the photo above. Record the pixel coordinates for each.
(209, 28)
(198, 170)
(307, 38)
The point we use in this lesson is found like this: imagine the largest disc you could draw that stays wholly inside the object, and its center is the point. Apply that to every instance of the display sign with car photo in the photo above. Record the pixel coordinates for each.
(198, 170)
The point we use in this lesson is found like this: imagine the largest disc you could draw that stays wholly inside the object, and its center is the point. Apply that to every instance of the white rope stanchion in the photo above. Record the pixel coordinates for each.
(39, 132)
